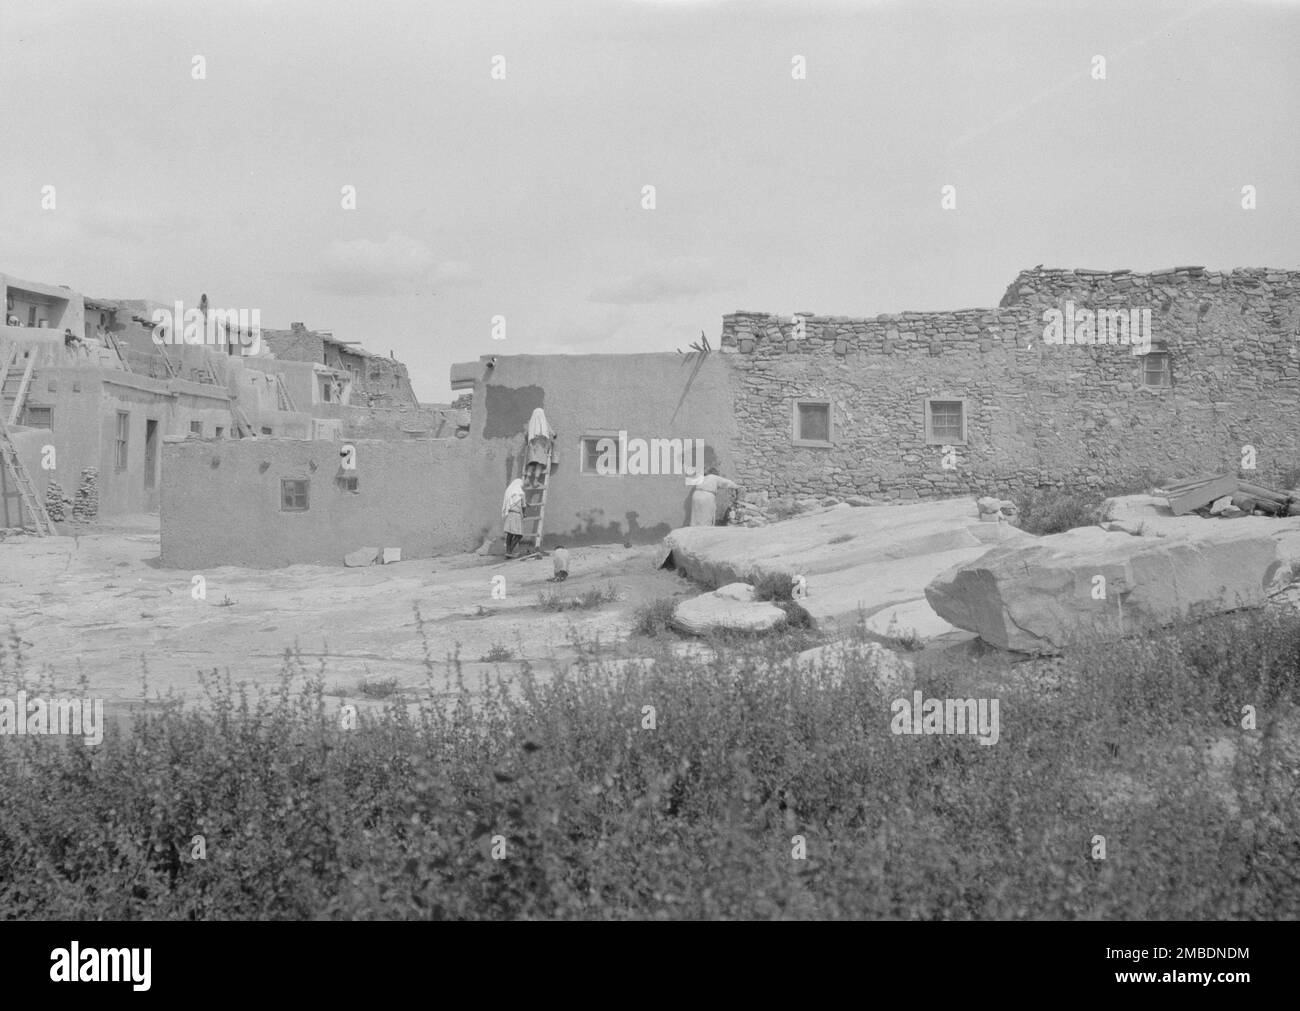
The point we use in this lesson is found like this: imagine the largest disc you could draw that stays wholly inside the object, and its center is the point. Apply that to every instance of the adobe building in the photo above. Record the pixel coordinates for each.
(375, 381)
(89, 417)
(275, 503)
(905, 406)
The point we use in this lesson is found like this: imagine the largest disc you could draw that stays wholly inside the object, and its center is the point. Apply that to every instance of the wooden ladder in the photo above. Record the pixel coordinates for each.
(112, 343)
(11, 410)
(283, 399)
(27, 495)
(539, 503)
(173, 369)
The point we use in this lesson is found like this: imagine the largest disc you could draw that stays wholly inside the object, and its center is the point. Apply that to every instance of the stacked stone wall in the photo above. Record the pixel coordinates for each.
(1037, 414)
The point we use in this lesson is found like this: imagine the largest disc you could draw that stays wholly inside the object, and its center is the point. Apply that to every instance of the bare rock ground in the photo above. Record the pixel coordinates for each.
(99, 603)
(856, 561)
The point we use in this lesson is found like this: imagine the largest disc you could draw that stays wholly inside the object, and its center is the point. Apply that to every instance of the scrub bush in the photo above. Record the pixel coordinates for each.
(597, 816)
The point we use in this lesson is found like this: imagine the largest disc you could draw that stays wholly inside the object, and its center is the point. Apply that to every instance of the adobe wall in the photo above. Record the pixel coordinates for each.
(221, 501)
(1039, 414)
(663, 396)
(84, 402)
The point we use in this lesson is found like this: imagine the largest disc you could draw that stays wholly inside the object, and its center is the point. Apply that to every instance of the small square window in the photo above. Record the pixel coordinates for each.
(812, 423)
(39, 417)
(52, 386)
(945, 422)
(196, 427)
(221, 432)
(293, 496)
(1155, 369)
(348, 483)
(601, 455)
(265, 430)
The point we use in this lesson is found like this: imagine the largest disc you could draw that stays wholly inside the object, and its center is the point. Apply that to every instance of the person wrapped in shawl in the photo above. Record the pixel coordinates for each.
(539, 446)
(512, 515)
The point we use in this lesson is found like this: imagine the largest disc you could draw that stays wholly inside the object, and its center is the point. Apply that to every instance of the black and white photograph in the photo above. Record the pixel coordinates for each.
(651, 460)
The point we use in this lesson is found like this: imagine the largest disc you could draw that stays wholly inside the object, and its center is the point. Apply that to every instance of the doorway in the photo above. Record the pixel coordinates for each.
(150, 454)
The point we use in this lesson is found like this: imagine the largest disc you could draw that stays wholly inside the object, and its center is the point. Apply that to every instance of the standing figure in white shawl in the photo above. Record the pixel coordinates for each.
(704, 499)
(512, 515)
(539, 446)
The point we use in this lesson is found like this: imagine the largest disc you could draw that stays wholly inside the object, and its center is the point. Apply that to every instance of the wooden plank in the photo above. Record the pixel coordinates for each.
(1259, 491)
(1183, 503)
(1182, 486)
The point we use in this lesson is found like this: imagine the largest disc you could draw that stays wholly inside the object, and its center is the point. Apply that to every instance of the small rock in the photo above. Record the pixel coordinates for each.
(711, 612)
(887, 669)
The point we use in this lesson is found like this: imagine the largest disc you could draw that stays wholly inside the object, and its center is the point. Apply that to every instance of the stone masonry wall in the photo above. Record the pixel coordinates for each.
(1038, 414)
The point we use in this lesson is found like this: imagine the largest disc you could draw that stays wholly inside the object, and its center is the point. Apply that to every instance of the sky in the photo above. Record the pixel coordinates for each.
(499, 153)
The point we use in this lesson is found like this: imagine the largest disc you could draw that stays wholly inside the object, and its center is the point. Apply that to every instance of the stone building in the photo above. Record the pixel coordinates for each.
(372, 380)
(976, 401)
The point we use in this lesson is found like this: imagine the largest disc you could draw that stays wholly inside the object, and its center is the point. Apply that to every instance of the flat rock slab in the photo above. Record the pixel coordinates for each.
(855, 561)
(1037, 598)
(914, 619)
(713, 612)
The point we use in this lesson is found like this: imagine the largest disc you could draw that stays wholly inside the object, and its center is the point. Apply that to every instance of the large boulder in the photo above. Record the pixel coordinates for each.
(714, 612)
(1037, 598)
(855, 561)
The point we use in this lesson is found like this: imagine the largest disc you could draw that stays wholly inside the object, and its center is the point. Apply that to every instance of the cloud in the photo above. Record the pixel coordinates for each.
(400, 265)
(135, 226)
(580, 330)
(662, 281)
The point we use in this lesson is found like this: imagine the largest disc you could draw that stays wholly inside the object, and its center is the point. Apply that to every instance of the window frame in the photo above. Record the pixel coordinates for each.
(121, 440)
(934, 440)
(27, 419)
(796, 430)
(306, 494)
(1166, 371)
(594, 435)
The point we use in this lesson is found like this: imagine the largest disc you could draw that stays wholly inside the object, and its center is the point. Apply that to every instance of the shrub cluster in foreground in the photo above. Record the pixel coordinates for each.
(604, 818)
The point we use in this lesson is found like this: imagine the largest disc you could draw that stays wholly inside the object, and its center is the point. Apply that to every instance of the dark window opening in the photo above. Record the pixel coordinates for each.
(945, 422)
(1155, 369)
(600, 455)
(150, 453)
(39, 417)
(293, 496)
(812, 423)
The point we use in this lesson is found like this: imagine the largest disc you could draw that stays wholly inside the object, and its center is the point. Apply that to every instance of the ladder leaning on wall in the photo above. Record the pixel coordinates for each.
(15, 381)
(27, 494)
(283, 398)
(535, 535)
